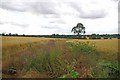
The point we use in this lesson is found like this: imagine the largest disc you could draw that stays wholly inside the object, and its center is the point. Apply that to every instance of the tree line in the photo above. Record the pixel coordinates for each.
(79, 33)
(92, 36)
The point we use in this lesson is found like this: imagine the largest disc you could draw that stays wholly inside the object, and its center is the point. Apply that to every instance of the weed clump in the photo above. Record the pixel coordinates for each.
(110, 69)
(82, 47)
(51, 62)
(71, 73)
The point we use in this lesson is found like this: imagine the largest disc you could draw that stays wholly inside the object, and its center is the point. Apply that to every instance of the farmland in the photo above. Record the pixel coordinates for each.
(28, 57)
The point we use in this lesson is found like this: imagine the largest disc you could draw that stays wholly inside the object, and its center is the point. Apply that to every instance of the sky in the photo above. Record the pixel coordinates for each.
(46, 17)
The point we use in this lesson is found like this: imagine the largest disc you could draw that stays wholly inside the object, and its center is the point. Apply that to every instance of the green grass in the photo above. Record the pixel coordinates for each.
(51, 62)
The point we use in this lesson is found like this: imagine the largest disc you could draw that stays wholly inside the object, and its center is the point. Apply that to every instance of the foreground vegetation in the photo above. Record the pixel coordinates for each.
(59, 58)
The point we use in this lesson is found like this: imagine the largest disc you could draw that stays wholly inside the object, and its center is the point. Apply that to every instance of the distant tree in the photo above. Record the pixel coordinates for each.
(10, 34)
(23, 34)
(57, 34)
(53, 34)
(93, 36)
(16, 34)
(78, 29)
(3, 34)
(106, 36)
(98, 36)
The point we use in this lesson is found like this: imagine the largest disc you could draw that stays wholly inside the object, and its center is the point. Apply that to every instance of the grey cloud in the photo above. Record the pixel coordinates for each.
(116, 0)
(47, 27)
(12, 6)
(18, 24)
(51, 27)
(94, 14)
(39, 7)
(52, 16)
(43, 7)
(1, 22)
(61, 22)
(91, 14)
(58, 21)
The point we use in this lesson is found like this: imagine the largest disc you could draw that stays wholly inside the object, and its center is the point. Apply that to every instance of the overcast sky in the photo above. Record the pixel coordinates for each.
(58, 16)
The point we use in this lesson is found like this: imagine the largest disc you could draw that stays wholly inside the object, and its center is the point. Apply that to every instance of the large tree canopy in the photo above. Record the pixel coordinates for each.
(78, 29)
